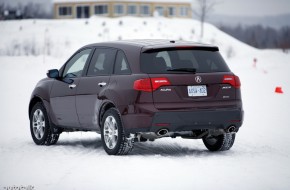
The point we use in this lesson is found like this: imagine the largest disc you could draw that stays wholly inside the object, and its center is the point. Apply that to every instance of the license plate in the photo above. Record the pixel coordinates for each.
(197, 90)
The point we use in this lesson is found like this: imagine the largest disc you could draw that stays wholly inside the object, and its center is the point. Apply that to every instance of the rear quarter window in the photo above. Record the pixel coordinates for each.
(201, 60)
(102, 62)
(121, 64)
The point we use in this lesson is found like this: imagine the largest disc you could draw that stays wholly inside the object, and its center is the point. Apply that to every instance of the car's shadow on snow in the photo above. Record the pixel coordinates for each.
(174, 149)
(92, 143)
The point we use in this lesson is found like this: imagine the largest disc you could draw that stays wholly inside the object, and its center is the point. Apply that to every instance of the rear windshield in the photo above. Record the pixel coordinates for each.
(201, 60)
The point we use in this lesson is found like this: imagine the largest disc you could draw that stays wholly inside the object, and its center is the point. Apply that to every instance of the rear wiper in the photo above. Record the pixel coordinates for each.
(190, 70)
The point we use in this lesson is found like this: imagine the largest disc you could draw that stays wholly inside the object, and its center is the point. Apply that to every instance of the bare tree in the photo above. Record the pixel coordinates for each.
(201, 9)
(2, 8)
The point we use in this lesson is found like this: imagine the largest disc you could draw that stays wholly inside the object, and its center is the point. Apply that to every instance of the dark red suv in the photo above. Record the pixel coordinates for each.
(139, 90)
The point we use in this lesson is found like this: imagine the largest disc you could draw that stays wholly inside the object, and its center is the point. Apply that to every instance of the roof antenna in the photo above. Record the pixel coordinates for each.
(172, 41)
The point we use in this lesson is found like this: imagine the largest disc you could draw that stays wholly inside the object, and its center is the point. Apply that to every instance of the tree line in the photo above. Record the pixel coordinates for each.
(259, 36)
(27, 10)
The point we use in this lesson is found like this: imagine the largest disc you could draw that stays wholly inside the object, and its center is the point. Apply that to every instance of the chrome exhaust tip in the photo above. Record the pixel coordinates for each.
(231, 129)
(162, 132)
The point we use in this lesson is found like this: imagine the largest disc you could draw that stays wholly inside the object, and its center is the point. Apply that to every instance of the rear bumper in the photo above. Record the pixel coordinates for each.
(191, 120)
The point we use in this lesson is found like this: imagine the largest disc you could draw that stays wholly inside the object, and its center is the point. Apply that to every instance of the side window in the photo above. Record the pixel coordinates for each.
(121, 64)
(75, 66)
(102, 62)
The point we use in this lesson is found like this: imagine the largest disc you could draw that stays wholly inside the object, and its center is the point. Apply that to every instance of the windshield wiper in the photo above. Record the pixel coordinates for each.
(190, 70)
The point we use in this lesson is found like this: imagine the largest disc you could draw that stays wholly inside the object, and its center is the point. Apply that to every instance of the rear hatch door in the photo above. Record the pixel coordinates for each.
(189, 78)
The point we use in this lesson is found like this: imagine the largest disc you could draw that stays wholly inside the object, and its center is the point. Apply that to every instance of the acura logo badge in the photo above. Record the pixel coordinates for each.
(198, 79)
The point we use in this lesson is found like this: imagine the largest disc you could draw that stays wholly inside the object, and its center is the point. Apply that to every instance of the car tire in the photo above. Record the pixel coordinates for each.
(114, 139)
(219, 143)
(40, 126)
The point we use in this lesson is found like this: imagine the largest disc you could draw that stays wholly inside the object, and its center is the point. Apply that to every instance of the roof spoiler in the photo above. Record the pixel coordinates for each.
(157, 49)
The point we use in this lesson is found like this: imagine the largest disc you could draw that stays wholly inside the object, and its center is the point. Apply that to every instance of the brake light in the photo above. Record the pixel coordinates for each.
(149, 85)
(232, 80)
(184, 47)
(143, 85)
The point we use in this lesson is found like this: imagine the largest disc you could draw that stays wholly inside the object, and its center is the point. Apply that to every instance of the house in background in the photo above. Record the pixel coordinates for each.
(64, 9)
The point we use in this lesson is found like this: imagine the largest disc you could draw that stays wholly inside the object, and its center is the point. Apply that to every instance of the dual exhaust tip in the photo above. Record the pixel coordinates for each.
(231, 129)
(162, 132)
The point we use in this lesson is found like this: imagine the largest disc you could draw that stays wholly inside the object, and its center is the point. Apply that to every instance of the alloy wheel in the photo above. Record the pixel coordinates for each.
(38, 124)
(110, 132)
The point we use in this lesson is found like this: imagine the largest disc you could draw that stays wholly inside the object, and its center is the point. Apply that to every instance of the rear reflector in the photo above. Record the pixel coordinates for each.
(232, 80)
(235, 121)
(162, 124)
(149, 85)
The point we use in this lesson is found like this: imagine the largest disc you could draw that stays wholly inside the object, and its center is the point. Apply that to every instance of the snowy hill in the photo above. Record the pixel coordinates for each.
(54, 36)
(258, 160)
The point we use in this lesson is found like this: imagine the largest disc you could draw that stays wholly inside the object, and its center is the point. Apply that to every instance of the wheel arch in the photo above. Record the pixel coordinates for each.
(32, 102)
(105, 106)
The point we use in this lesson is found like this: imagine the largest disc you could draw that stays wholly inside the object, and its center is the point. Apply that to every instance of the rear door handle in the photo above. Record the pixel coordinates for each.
(101, 84)
(71, 86)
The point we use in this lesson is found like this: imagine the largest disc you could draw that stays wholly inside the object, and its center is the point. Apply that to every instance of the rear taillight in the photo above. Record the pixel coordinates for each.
(158, 82)
(143, 85)
(149, 85)
(232, 80)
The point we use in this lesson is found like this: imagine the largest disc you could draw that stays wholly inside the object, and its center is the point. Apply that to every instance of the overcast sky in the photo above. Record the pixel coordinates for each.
(253, 7)
(226, 7)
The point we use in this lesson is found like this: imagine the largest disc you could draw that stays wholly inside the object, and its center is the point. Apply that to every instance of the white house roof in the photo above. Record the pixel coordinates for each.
(161, 1)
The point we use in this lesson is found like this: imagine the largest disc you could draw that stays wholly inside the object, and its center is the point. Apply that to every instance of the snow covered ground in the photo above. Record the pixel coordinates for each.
(259, 159)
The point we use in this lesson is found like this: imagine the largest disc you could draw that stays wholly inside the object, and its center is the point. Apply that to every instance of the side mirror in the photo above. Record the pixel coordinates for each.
(53, 73)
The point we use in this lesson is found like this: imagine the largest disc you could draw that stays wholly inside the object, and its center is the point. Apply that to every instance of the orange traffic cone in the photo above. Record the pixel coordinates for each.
(279, 90)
